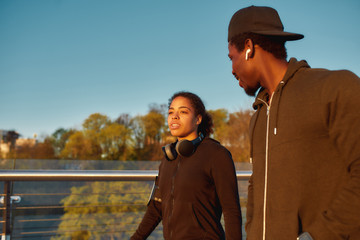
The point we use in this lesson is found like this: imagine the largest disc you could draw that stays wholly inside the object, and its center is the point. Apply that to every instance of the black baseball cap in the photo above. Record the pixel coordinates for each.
(259, 20)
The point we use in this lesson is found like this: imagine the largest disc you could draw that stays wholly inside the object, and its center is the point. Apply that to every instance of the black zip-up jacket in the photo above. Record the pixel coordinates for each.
(192, 194)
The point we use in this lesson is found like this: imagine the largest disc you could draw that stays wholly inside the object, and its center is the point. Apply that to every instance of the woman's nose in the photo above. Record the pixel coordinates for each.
(175, 116)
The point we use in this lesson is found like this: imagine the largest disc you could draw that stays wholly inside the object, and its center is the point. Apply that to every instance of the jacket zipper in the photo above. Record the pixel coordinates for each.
(172, 195)
(268, 106)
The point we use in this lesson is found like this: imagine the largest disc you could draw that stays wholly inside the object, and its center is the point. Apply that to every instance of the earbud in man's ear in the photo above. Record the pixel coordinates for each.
(247, 54)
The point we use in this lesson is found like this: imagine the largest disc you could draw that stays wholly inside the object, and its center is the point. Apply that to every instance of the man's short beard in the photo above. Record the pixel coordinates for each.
(252, 91)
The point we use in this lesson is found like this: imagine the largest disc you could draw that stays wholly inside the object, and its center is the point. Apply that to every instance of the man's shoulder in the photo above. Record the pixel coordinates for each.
(328, 84)
(330, 78)
(326, 74)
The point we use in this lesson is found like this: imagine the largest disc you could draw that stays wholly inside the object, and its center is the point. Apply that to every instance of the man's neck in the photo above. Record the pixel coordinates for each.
(273, 71)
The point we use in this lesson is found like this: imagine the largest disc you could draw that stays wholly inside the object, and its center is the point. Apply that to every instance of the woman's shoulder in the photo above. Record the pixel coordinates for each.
(211, 141)
(214, 145)
(218, 156)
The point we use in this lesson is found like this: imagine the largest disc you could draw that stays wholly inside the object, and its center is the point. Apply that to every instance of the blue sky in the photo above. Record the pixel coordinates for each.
(62, 60)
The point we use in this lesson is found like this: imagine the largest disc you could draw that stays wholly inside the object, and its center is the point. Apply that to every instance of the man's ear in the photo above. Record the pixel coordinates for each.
(249, 47)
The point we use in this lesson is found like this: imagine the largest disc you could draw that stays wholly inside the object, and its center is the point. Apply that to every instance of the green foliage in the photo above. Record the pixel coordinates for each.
(103, 210)
(81, 147)
(220, 120)
(59, 139)
(153, 123)
(95, 122)
(232, 131)
(238, 135)
(115, 141)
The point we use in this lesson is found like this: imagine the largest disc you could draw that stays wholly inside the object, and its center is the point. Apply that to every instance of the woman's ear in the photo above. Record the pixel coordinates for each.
(198, 119)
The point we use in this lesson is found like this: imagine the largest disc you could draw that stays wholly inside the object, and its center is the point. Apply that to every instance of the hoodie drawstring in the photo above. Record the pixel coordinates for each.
(280, 89)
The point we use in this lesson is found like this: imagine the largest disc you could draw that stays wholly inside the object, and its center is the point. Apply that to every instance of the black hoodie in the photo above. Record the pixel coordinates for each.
(193, 192)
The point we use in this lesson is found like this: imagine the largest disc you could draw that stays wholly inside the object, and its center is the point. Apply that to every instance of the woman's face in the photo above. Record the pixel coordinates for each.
(182, 121)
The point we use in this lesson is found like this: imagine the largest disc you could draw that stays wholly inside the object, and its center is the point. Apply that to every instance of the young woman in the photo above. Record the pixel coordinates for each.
(196, 182)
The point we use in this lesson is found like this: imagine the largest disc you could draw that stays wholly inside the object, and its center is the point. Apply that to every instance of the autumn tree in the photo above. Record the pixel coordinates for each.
(59, 139)
(80, 147)
(95, 122)
(232, 130)
(141, 137)
(124, 119)
(148, 133)
(153, 123)
(92, 127)
(138, 130)
(26, 151)
(115, 142)
(100, 138)
(238, 135)
(44, 150)
(220, 120)
(142, 147)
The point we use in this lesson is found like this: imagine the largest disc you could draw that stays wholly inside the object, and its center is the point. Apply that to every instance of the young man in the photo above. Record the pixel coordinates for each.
(305, 136)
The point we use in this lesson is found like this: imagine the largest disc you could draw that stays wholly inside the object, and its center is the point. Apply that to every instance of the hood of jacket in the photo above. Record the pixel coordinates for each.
(293, 67)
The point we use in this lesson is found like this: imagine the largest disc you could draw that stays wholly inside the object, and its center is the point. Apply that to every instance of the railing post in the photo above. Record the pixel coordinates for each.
(7, 211)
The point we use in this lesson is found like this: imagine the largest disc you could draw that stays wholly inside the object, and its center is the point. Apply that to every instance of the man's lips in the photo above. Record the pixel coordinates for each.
(239, 80)
(240, 83)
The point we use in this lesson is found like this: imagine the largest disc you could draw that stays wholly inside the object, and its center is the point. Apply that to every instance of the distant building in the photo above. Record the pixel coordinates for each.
(10, 140)
(25, 141)
(4, 149)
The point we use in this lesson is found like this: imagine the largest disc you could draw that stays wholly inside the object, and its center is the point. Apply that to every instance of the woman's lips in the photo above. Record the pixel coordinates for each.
(174, 126)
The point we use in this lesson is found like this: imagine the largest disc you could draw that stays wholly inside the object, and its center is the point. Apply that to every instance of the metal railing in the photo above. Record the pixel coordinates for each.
(10, 176)
(88, 175)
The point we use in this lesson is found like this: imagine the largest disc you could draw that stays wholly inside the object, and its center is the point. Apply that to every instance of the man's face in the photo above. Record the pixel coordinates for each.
(243, 70)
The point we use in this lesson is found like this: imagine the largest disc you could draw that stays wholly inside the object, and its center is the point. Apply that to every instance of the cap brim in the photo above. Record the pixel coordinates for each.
(283, 35)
